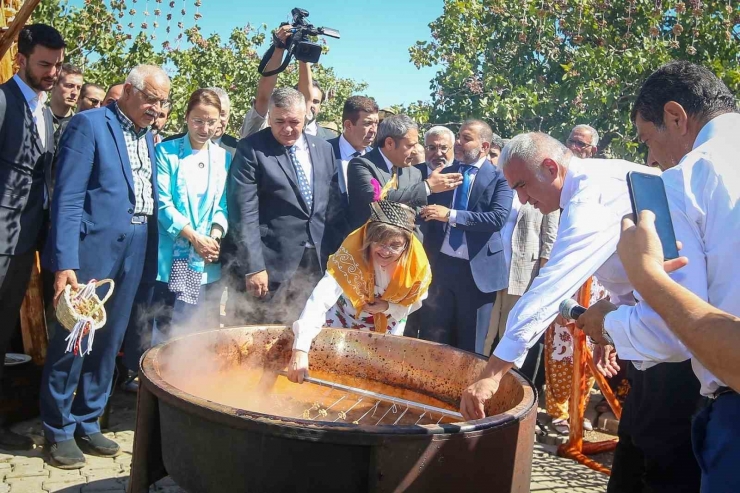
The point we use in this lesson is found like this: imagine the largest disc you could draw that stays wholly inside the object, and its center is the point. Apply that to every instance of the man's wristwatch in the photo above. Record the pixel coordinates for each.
(448, 213)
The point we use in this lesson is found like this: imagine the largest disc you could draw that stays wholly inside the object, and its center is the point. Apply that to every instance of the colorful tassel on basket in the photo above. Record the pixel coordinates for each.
(83, 327)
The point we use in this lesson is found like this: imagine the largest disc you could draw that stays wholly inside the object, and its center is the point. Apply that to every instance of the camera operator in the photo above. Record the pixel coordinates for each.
(257, 118)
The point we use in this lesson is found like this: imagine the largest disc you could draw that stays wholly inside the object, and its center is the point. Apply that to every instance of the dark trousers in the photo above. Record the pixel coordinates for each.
(456, 312)
(284, 301)
(176, 318)
(654, 454)
(715, 433)
(15, 271)
(156, 306)
(75, 389)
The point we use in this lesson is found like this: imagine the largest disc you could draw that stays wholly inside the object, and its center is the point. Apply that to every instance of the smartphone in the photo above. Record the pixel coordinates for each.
(647, 192)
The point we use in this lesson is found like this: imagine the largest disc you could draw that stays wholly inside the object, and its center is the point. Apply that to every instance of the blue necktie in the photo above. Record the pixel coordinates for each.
(303, 186)
(461, 204)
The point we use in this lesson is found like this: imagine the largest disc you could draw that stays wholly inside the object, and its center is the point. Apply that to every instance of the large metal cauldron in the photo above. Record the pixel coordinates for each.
(210, 447)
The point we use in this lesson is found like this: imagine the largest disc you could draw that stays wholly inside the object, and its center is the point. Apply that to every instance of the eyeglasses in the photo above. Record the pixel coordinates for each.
(578, 144)
(153, 100)
(203, 123)
(393, 249)
(432, 148)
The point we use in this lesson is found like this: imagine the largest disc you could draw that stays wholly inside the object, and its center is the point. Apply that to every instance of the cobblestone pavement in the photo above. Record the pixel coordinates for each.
(27, 472)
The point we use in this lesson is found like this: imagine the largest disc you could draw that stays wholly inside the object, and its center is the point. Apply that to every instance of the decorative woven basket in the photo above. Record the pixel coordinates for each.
(68, 315)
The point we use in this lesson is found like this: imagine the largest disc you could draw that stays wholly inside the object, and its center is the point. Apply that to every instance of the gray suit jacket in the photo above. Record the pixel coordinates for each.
(533, 237)
(361, 170)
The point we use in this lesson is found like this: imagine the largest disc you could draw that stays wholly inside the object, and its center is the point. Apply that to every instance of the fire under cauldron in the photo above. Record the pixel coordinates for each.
(215, 414)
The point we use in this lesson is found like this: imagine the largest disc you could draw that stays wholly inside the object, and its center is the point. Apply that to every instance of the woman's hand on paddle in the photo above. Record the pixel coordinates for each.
(377, 306)
(298, 366)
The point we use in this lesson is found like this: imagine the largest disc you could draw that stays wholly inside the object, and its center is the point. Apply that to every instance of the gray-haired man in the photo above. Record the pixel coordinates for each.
(439, 150)
(397, 138)
(583, 141)
(282, 192)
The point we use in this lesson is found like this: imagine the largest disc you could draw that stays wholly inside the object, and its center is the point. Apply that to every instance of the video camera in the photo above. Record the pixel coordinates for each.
(299, 45)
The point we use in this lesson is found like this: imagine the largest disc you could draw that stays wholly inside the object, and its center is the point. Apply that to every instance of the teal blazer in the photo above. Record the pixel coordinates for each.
(178, 204)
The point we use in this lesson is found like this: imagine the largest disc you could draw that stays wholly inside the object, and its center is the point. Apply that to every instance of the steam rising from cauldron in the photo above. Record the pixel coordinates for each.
(236, 308)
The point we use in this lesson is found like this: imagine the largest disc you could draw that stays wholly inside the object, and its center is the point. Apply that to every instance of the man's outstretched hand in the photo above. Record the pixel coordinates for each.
(475, 397)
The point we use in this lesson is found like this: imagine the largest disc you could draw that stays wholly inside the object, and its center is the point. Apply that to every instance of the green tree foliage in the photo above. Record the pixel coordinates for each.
(547, 65)
(103, 48)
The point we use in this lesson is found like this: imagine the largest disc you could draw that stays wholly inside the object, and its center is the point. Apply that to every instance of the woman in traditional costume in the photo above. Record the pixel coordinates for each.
(373, 282)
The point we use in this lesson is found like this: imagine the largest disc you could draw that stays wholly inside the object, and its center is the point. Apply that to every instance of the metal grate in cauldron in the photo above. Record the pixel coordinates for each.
(343, 403)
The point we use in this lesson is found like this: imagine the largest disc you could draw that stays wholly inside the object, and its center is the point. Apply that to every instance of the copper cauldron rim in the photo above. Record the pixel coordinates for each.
(203, 407)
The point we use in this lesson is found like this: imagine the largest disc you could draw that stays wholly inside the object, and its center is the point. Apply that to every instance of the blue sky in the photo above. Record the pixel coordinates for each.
(376, 36)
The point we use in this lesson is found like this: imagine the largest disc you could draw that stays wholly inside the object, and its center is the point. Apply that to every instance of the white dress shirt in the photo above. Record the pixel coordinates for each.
(594, 199)
(325, 295)
(347, 152)
(462, 251)
(704, 195)
(388, 163)
(36, 102)
(312, 128)
(507, 232)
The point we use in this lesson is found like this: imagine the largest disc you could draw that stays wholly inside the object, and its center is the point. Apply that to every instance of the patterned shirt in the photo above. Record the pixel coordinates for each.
(141, 165)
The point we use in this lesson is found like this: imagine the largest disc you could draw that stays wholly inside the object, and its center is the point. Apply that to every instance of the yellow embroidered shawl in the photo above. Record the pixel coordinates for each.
(410, 279)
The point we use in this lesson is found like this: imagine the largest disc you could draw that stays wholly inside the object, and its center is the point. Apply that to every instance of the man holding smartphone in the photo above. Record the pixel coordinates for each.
(593, 197)
(688, 119)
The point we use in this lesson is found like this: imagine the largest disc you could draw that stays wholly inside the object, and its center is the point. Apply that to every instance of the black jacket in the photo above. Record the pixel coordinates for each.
(25, 171)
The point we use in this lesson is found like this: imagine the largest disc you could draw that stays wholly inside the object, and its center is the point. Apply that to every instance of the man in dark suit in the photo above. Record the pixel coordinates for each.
(397, 138)
(26, 152)
(104, 225)
(464, 245)
(282, 194)
(359, 126)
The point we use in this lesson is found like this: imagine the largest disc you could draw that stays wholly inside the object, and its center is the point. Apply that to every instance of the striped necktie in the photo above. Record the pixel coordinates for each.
(303, 185)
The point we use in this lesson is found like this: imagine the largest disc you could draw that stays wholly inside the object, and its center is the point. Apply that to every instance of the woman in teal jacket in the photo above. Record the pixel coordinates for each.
(193, 218)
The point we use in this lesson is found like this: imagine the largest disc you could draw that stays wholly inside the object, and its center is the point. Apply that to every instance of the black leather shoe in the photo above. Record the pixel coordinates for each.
(14, 441)
(97, 444)
(66, 455)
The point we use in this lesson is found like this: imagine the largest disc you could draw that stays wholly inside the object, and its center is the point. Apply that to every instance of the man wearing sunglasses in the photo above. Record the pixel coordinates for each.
(91, 97)
(582, 141)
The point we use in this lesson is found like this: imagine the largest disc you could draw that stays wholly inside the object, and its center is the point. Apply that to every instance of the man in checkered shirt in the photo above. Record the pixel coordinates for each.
(104, 225)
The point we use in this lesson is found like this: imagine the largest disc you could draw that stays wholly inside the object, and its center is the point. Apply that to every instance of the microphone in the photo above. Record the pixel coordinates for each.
(570, 309)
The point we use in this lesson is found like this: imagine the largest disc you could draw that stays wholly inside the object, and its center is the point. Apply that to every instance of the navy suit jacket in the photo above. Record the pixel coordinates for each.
(25, 170)
(94, 199)
(488, 208)
(423, 169)
(268, 218)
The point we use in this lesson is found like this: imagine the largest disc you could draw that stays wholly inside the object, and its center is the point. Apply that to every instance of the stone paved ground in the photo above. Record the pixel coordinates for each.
(28, 473)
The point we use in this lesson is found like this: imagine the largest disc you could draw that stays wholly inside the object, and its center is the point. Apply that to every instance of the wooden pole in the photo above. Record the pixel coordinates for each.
(33, 317)
(8, 37)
